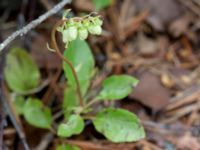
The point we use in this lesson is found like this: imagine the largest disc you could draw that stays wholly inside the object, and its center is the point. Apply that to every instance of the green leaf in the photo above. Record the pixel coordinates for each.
(117, 87)
(119, 125)
(79, 54)
(19, 103)
(75, 125)
(21, 73)
(67, 147)
(101, 4)
(70, 101)
(37, 114)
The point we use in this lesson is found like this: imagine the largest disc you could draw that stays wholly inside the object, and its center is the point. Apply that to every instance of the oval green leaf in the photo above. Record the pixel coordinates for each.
(75, 125)
(117, 87)
(80, 55)
(119, 125)
(21, 73)
(36, 114)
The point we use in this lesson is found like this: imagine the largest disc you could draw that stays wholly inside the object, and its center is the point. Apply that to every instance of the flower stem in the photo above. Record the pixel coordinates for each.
(55, 46)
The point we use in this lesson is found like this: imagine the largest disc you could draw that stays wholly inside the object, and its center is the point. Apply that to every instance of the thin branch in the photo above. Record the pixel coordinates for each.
(33, 24)
(2, 113)
(14, 117)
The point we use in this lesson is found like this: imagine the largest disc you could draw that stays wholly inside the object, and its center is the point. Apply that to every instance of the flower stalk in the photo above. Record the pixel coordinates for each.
(72, 29)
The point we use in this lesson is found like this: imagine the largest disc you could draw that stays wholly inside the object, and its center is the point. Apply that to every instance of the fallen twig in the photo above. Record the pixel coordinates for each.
(33, 24)
(188, 96)
(10, 109)
(2, 114)
(191, 5)
(178, 113)
(47, 138)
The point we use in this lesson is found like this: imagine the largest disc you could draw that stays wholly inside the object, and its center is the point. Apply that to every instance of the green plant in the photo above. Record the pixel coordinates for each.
(115, 124)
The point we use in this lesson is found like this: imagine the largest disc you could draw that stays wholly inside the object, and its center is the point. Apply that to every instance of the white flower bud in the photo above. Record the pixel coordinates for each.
(98, 21)
(98, 30)
(70, 34)
(83, 33)
(86, 23)
(95, 29)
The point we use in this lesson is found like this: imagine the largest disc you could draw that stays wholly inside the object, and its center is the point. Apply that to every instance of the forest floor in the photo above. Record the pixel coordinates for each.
(157, 41)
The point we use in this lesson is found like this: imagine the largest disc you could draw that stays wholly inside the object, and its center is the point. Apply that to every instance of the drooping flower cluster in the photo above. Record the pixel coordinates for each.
(80, 27)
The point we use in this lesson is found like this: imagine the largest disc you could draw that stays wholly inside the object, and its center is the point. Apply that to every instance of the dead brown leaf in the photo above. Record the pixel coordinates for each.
(151, 92)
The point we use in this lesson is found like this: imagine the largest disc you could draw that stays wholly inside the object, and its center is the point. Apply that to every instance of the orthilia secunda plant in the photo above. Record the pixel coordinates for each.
(117, 125)
(23, 78)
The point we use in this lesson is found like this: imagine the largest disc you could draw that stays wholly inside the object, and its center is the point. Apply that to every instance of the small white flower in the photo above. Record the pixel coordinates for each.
(83, 33)
(98, 21)
(98, 30)
(70, 34)
(95, 29)
(86, 23)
